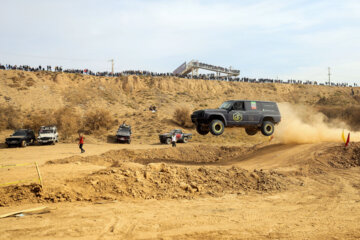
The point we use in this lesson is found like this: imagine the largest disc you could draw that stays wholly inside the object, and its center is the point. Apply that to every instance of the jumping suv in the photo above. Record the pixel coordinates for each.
(254, 116)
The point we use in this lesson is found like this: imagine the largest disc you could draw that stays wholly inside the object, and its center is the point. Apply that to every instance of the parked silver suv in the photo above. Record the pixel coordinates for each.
(48, 134)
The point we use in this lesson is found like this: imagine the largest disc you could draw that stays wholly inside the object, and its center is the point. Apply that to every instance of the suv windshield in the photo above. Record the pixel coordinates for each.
(46, 131)
(226, 105)
(175, 131)
(19, 133)
(123, 130)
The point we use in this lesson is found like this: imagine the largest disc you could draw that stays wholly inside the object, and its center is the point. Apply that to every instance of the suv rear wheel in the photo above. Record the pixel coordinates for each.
(216, 127)
(168, 141)
(267, 128)
(202, 130)
(23, 143)
(251, 131)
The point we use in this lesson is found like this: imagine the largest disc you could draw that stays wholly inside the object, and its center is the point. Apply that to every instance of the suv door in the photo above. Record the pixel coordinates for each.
(27, 137)
(30, 137)
(253, 112)
(236, 116)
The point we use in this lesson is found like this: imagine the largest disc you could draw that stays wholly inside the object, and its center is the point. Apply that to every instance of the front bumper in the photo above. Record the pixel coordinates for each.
(45, 140)
(12, 142)
(122, 138)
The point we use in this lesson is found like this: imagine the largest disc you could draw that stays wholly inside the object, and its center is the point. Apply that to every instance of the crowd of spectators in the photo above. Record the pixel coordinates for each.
(155, 74)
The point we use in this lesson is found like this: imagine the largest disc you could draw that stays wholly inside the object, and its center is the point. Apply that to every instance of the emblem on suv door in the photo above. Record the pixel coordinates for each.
(238, 117)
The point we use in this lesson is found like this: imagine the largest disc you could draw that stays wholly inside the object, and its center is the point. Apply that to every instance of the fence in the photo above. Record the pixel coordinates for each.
(38, 179)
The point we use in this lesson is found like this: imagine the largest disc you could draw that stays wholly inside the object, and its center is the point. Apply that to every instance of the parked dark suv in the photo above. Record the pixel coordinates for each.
(254, 116)
(21, 138)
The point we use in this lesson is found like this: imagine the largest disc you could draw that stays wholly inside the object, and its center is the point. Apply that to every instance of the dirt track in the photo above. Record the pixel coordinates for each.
(306, 191)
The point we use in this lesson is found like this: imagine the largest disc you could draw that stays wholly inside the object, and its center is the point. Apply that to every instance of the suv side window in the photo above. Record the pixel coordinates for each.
(269, 106)
(238, 106)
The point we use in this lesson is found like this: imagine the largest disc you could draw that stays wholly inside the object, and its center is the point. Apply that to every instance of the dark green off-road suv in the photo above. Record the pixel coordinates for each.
(254, 116)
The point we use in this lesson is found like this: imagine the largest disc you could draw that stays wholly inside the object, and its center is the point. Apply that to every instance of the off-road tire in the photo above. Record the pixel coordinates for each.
(185, 139)
(53, 143)
(23, 143)
(267, 128)
(168, 141)
(217, 127)
(251, 131)
(201, 130)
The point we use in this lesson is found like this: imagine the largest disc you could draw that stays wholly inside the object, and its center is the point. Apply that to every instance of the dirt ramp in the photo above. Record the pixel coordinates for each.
(190, 155)
(137, 174)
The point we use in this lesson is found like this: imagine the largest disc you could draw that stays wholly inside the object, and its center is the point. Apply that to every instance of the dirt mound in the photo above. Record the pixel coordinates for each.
(151, 181)
(341, 157)
(17, 194)
(160, 180)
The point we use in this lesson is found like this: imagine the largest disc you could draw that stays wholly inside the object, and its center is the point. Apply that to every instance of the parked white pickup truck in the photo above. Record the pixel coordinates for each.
(48, 134)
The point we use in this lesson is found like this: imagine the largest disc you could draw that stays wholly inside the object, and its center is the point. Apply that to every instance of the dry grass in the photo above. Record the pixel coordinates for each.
(68, 121)
(182, 117)
(9, 118)
(350, 115)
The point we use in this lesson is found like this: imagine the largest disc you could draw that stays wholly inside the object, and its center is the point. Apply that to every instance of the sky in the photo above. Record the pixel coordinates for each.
(297, 39)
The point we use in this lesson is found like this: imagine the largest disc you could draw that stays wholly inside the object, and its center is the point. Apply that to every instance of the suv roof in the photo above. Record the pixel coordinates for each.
(50, 126)
(248, 101)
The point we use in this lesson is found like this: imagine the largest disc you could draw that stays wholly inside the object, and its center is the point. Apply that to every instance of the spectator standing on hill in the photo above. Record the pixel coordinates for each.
(173, 140)
(81, 142)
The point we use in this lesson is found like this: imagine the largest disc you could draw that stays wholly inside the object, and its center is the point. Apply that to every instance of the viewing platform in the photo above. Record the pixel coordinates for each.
(193, 67)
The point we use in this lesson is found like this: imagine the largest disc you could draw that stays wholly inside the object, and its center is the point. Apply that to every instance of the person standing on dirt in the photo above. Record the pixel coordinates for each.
(173, 140)
(81, 142)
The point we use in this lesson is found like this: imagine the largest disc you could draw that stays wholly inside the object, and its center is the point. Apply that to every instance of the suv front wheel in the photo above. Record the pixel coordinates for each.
(217, 127)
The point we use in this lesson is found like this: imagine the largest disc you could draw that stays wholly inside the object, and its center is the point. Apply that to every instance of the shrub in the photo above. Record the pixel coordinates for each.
(36, 119)
(68, 122)
(182, 117)
(98, 119)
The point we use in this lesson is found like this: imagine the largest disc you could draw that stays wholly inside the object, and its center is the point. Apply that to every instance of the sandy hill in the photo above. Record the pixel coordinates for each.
(34, 96)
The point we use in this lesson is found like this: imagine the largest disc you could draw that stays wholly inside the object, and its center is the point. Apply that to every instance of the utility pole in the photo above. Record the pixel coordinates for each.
(112, 66)
(329, 76)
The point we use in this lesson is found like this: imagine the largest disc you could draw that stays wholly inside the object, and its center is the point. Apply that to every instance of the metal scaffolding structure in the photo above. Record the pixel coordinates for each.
(193, 67)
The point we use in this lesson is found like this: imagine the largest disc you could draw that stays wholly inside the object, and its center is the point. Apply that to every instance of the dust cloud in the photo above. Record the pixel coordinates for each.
(303, 124)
